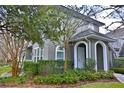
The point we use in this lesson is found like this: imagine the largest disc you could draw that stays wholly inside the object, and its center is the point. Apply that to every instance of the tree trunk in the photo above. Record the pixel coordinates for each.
(66, 56)
(14, 68)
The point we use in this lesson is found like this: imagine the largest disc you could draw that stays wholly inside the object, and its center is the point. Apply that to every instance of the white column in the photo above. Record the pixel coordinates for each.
(36, 53)
(105, 59)
(75, 56)
(33, 54)
(39, 53)
(89, 49)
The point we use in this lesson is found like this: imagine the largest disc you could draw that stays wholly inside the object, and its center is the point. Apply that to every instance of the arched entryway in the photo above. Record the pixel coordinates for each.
(101, 56)
(80, 54)
(100, 59)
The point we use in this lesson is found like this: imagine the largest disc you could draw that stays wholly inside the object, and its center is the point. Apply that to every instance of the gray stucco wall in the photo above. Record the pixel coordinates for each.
(71, 52)
(93, 48)
(49, 51)
(93, 41)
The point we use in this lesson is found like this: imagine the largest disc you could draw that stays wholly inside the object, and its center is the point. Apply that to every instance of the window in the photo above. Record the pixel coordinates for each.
(59, 53)
(28, 54)
(37, 54)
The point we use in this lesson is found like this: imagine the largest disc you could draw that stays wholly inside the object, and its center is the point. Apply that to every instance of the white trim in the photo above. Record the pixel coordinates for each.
(75, 52)
(89, 49)
(60, 51)
(104, 55)
(37, 55)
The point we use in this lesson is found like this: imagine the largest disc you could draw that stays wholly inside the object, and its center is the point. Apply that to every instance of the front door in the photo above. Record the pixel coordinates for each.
(80, 57)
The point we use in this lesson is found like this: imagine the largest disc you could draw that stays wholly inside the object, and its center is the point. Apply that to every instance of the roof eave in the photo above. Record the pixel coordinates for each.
(91, 36)
(77, 14)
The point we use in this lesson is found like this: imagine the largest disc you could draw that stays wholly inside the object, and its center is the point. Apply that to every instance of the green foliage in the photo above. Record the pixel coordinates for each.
(30, 68)
(4, 69)
(90, 64)
(45, 67)
(118, 63)
(56, 79)
(104, 75)
(73, 76)
(118, 70)
(31, 22)
(38, 80)
(87, 75)
(21, 80)
(18, 80)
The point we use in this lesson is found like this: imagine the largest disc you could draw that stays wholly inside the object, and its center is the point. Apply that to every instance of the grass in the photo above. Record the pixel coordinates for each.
(4, 69)
(104, 85)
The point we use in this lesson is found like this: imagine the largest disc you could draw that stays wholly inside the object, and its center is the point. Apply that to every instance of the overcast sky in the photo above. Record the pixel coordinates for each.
(107, 21)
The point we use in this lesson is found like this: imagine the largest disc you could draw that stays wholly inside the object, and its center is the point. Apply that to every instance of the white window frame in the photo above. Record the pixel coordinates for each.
(59, 51)
(38, 57)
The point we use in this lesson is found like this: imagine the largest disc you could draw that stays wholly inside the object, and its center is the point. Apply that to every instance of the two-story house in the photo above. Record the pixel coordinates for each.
(87, 42)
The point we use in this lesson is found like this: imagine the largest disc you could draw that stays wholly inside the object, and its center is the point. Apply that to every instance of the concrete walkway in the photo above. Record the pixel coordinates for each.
(119, 77)
(6, 74)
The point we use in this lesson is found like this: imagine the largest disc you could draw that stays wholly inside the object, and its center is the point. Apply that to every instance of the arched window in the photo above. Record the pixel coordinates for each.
(59, 53)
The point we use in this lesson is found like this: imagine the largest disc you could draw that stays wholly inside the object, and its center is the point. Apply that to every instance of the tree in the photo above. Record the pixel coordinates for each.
(66, 27)
(21, 24)
(111, 11)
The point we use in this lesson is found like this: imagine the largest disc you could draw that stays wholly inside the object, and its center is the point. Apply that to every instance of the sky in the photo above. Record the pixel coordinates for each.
(107, 21)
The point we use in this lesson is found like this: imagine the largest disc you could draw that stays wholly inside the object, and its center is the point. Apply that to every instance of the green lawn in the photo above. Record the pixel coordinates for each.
(104, 85)
(4, 69)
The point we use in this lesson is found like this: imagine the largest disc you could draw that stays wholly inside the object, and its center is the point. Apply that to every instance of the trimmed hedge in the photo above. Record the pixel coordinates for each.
(50, 67)
(45, 67)
(118, 70)
(30, 68)
(119, 62)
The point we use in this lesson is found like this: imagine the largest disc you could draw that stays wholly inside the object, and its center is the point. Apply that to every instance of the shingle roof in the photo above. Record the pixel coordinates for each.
(116, 33)
(81, 16)
(89, 32)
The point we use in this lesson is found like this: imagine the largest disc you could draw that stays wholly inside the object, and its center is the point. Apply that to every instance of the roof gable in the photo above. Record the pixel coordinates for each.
(91, 33)
(116, 33)
(81, 16)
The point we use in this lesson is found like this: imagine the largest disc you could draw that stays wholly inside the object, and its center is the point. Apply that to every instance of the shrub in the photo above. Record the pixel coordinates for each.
(7, 80)
(56, 79)
(38, 80)
(21, 80)
(118, 70)
(30, 68)
(18, 80)
(73, 76)
(90, 64)
(45, 67)
(105, 75)
(118, 63)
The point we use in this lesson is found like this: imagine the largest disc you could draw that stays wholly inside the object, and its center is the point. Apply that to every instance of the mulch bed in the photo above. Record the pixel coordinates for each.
(30, 84)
